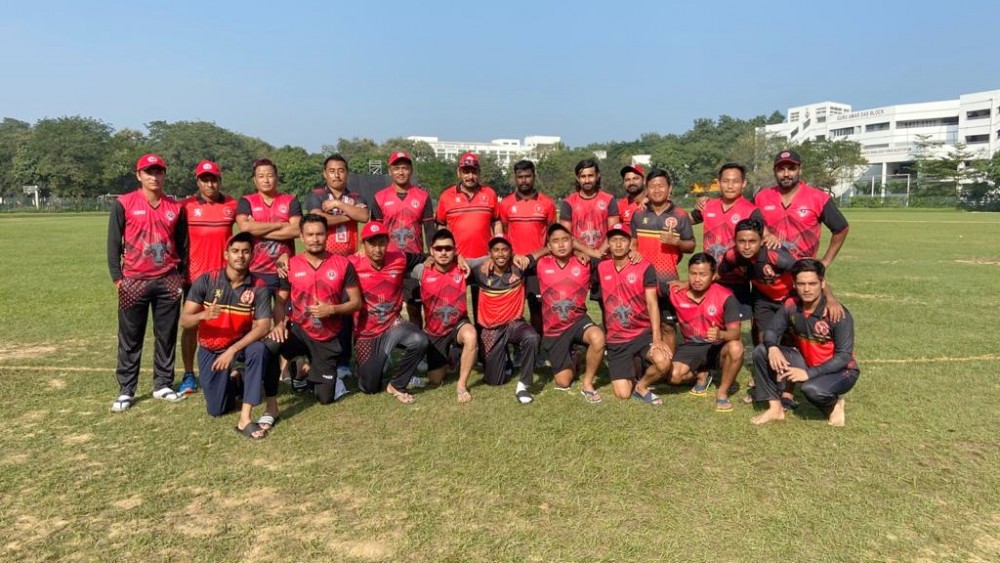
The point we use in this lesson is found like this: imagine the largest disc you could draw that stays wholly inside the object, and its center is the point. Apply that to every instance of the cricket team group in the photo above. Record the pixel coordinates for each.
(257, 312)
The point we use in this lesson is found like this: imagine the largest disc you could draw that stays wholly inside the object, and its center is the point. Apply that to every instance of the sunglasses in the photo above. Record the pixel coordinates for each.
(442, 248)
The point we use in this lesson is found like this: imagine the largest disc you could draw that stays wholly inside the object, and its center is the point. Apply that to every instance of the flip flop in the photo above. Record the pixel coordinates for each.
(249, 431)
(122, 403)
(400, 396)
(169, 395)
(723, 405)
(463, 395)
(267, 420)
(649, 398)
(593, 397)
(524, 397)
(700, 390)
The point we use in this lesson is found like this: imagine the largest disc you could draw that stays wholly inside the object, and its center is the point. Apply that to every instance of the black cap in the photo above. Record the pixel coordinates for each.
(787, 156)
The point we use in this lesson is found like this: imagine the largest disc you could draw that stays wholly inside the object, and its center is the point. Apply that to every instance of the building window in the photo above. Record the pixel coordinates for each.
(793, 117)
(973, 139)
(823, 137)
(843, 132)
(877, 127)
(926, 122)
(821, 119)
(977, 114)
(879, 146)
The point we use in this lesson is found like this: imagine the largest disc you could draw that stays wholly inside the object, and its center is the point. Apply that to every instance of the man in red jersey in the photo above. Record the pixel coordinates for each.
(342, 209)
(230, 312)
(822, 358)
(794, 210)
(210, 216)
(589, 211)
(324, 290)
(442, 292)
(720, 216)
(408, 213)
(147, 248)
(663, 234)
(709, 317)
(378, 327)
(632, 319)
(272, 218)
(524, 217)
(565, 282)
(634, 184)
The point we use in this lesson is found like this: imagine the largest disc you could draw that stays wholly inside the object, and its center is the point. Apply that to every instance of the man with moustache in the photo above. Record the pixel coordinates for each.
(589, 211)
(634, 184)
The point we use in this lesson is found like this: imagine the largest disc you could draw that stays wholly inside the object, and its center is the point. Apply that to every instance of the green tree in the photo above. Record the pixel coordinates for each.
(14, 135)
(299, 171)
(826, 163)
(66, 155)
(126, 146)
(755, 150)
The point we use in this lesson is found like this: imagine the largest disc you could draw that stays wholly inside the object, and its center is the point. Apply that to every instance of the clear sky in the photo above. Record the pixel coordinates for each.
(306, 73)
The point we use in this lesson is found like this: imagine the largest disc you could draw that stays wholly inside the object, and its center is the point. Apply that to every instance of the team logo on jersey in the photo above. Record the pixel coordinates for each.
(712, 310)
(513, 209)
(645, 220)
(258, 209)
(670, 224)
(415, 204)
(736, 219)
(170, 215)
(608, 278)
(821, 328)
(803, 211)
(457, 278)
(631, 278)
(331, 275)
(768, 208)
(139, 212)
(601, 205)
(710, 215)
(576, 272)
(538, 208)
(228, 212)
(246, 297)
(432, 279)
(217, 293)
(283, 208)
(197, 212)
(389, 203)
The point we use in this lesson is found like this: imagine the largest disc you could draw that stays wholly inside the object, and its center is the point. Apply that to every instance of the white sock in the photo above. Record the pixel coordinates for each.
(520, 387)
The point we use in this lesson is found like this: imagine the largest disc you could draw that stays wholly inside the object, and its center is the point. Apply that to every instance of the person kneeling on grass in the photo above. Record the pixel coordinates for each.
(822, 360)
(231, 311)
(709, 317)
(632, 319)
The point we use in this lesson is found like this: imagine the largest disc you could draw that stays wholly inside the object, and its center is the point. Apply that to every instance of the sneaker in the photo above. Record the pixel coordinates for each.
(417, 382)
(300, 385)
(189, 384)
(343, 371)
(169, 395)
(122, 403)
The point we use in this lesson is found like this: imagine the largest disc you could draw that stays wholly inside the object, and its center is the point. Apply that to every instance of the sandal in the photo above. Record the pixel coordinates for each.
(524, 397)
(699, 390)
(723, 405)
(252, 431)
(169, 395)
(122, 403)
(593, 397)
(463, 395)
(401, 396)
(267, 420)
(649, 397)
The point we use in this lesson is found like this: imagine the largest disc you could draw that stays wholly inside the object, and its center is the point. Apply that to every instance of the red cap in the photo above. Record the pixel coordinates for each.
(149, 161)
(497, 239)
(634, 168)
(207, 167)
(400, 155)
(373, 229)
(468, 160)
(619, 229)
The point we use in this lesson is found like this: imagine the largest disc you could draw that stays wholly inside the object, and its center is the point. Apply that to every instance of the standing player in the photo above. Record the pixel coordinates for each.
(147, 245)
(210, 216)
(524, 216)
(272, 218)
(408, 214)
(343, 210)
(379, 328)
(793, 211)
(324, 290)
(230, 312)
(589, 211)
(632, 319)
(565, 283)
(634, 184)
(822, 359)
(709, 317)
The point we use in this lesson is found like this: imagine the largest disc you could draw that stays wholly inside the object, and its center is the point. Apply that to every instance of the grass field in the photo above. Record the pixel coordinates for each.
(915, 475)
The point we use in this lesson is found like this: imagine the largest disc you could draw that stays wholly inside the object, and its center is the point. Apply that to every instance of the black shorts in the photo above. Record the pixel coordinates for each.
(322, 355)
(440, 347)
(620, 356)
(668, 315)
(411, 290)
(699, 355)
(531, 287)
(764, 311)
(745, 296)
(560, 348)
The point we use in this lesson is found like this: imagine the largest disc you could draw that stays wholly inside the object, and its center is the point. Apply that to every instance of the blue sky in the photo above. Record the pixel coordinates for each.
(307, 73)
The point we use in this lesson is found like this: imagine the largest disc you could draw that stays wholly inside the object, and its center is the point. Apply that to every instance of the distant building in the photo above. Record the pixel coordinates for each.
(888, 135)
(506, 151)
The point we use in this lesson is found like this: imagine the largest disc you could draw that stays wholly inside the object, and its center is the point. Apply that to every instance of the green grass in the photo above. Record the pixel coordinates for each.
(914, 476)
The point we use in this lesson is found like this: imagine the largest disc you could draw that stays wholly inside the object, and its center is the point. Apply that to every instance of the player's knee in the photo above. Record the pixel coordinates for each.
(660, 361)
(623, 392)
(597, 341)
(816, 394)
(760, 353)
(734, 349)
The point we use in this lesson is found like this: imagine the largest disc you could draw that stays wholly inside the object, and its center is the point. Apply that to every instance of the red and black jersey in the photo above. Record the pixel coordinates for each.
(588, 217)
(797, 224)
(717, 308)
(646, 228)
(210, 224)
(341, 239)
(240, 307)
(771, 273)
(408, 215)
(322, 284)
(719, 231)
(626, 209)
(826, 347)
(382, 290)
(266, 251)
(501, 296)
(564, 292)
(146, 242)
(443, 297)
(525, 220)
(470, 218)
(624, 291)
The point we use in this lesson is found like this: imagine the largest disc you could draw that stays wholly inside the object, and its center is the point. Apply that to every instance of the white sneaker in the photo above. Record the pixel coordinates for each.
(417, 382)
(343, 371)
(169, 395)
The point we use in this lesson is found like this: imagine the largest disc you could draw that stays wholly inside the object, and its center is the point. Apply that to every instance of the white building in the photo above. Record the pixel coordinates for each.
(506, 151)
(888, 135)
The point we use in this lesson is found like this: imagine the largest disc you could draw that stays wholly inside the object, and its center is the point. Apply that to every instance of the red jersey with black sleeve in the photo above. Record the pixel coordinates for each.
(719, 231)
(469, 217)
(797, 224)
(210, 224)
(626, 209)
(717, 307)
(240, 307)
(625, 313)
(382, 291)
(564, 292)
(325, 283)
(408, 215)
(525, 220)
(588, 217)
(771, 274)
(266, 251)
(146, 242)
(826, 347)
(341, 239)
(501, 295)
(443, 296)
(646, 228)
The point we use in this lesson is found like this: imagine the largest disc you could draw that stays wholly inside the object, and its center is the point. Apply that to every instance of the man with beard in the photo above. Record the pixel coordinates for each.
(589, 211)
(634, 184)
(230, 312)
(794, 210)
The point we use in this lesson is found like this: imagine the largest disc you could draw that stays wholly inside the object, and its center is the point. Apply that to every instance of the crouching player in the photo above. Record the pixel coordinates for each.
(231, 311)
(822, 359)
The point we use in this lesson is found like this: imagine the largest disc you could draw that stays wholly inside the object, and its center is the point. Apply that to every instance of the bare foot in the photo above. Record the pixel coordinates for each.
(463, 395)
(769, 415)
(838, 416)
